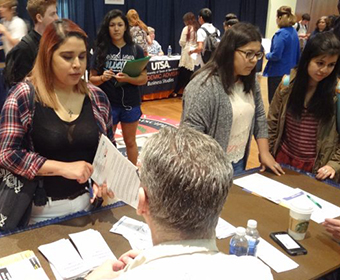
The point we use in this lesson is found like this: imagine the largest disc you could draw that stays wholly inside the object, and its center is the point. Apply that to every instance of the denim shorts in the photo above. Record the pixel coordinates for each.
(125, 115)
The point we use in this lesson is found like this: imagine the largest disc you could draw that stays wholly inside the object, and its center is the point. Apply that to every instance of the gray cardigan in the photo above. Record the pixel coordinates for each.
(207, 108)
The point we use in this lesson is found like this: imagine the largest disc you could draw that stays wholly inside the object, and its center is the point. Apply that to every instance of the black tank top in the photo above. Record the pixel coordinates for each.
(64, 141)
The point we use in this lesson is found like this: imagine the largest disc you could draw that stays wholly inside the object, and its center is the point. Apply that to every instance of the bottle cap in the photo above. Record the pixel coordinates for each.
(252, 224)
(241, 231)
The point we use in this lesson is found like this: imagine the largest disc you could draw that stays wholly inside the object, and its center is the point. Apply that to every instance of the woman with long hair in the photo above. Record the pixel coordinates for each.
(114, 46)
(139, 30)
(63, 123)
(284, 50)
(302, 116)
(224, 101)
(187, 42)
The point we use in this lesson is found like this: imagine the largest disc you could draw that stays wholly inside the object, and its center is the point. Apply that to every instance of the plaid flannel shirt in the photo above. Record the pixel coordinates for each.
(15, 122)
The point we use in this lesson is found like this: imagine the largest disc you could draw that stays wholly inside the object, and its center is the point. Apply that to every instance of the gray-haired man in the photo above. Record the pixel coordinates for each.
(185, 179)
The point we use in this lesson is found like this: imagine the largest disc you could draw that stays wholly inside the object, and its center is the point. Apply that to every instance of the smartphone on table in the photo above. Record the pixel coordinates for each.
(291, 246)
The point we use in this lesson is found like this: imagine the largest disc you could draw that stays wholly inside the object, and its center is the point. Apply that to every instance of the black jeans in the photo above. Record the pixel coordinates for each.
(273, 83)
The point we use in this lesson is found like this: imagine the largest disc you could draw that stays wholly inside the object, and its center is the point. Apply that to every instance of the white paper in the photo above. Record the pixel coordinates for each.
(319, 215)
(92, 247)
(274, 258)
(28, 269)
(114, 2)
(117, 171)
(65, 258)
(224, 229)
(137, 233)
(265, 187)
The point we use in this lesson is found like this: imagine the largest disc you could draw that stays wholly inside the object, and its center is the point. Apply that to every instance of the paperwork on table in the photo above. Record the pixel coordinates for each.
(274, 257)
(23, 265)
(120, 175)
(284, 195)
(67, 263)
(139, 236)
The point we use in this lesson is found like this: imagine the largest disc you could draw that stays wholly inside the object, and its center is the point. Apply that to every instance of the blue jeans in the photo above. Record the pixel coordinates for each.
(239, 166)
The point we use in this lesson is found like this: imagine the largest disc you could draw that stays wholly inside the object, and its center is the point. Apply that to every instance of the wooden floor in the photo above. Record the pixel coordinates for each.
(172, 108)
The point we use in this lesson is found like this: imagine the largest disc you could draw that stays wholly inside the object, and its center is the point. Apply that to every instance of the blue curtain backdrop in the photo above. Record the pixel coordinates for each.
(163, 15)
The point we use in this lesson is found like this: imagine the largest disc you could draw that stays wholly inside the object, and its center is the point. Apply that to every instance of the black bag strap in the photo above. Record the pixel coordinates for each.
(31, 103)
(206, 31)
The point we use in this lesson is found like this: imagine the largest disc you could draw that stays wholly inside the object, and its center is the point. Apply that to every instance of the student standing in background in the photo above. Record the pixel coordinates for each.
(114, 46)
(12, 27)
(284, 50)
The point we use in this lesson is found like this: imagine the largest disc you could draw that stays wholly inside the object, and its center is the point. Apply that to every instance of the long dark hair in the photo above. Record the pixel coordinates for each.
(104, 40)
(321, 104)
(222, 61)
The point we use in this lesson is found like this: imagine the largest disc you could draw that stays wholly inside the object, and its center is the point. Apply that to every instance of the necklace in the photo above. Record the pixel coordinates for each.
(70, 112)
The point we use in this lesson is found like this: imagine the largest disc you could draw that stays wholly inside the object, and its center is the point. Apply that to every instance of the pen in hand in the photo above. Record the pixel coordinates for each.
(312, 200)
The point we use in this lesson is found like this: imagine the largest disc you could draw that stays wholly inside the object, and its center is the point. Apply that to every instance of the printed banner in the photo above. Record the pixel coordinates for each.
(162, 76)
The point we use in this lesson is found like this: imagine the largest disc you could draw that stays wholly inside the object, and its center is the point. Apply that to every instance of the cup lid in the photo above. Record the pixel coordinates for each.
(301, 207)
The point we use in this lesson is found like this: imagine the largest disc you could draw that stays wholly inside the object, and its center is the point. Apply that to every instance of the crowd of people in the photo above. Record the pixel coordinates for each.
(52, 120)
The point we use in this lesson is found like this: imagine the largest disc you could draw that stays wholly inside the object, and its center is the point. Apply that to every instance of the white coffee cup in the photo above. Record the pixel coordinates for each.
(299, 216)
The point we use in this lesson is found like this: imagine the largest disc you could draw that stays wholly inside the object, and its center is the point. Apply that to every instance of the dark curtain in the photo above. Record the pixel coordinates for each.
(163, 15)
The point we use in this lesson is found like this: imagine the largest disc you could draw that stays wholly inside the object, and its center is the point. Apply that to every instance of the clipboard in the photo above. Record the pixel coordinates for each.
(134, 67)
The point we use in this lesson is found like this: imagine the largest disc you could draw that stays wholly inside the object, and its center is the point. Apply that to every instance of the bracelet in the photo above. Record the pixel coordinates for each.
(101, 77)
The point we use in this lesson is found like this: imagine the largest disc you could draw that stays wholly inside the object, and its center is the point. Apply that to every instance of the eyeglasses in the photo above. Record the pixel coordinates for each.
(250, 54)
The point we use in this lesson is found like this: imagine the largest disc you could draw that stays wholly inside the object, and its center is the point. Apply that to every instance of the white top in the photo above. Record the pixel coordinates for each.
(243, 112)
(193, 259)
(17, 28)
(187, 60)
(302, 30)
(202, 35)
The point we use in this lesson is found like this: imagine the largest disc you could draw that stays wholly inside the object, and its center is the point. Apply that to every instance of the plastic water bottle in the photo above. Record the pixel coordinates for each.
(252, 236)
(238, 243)
(169, 50)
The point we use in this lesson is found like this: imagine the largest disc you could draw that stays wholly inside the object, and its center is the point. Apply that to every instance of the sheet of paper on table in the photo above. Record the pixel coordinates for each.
(65, 258)
(139, 236)
(224, 229)
(274, 258)
(327, 210)
(65, 261)
(120, 175)
(97, 251)
(23, 265)
(136, 232)
(265, 187)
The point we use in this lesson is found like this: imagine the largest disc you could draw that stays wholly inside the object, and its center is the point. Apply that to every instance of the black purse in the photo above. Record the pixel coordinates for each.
(17, 193)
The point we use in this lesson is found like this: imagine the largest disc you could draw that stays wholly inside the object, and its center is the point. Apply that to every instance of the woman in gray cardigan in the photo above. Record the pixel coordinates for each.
(224, 101)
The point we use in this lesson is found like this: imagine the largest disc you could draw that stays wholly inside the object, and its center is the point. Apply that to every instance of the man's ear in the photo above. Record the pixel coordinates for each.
(39, 17)
(143, 205)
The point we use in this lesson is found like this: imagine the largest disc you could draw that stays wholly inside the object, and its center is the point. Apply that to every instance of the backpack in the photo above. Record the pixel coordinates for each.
(10, 71)
(210, 44)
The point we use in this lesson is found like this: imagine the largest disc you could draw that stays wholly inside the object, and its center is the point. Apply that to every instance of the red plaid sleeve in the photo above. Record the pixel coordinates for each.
(14, 126)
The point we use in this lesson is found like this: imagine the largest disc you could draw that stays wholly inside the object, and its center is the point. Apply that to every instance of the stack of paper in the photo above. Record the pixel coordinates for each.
(224, 229)
(284, 195)
(24, 265)
(64, 259)
(137, 233)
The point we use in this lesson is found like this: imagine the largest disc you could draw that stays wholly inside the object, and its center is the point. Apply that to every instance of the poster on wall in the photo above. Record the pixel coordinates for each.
(115, 2)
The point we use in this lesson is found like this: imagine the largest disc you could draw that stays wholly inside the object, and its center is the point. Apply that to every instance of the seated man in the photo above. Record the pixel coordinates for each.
(185, 179)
